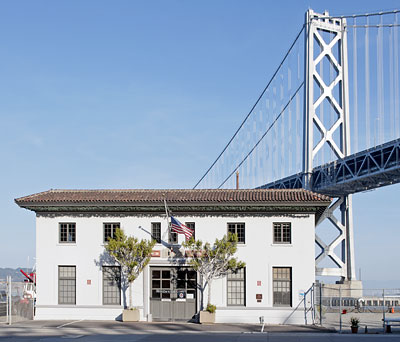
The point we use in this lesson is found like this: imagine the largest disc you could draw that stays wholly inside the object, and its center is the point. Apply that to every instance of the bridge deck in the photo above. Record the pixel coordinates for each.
(365, 170)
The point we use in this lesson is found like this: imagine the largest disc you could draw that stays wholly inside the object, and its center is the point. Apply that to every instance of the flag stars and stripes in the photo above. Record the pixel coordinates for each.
(180, 228)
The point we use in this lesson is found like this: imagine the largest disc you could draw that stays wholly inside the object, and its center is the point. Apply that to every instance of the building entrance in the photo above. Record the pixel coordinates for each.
(173, 293)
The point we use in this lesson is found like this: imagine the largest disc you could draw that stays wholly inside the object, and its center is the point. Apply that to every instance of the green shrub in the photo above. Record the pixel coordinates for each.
(354, 321)
(211, 308)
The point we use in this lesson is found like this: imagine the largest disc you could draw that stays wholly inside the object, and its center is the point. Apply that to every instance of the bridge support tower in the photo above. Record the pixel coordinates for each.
(336, 138)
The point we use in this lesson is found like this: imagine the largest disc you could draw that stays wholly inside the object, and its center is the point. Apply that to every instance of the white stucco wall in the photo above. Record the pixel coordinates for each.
(259, 253)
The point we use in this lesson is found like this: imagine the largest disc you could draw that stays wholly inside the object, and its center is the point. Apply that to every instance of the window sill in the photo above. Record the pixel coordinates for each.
(66, 244)
(241, 245)
(281, 245)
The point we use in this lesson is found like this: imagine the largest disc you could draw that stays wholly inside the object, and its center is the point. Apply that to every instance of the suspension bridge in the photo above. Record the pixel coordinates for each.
(328, 120)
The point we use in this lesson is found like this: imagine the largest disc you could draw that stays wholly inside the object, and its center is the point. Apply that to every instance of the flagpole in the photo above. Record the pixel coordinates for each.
(167, 216)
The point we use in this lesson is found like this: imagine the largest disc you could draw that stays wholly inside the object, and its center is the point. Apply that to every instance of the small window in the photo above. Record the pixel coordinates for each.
(109, 230)
(156, 231)
(111, 285)
(282, 233)
(282, 286)
(238, 229)
(173, 237)
(191, 225)
(67, 232)
(66, 285)
(236, 286)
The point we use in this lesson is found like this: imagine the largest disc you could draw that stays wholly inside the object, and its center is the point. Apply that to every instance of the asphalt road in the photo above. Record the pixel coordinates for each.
(85, 331)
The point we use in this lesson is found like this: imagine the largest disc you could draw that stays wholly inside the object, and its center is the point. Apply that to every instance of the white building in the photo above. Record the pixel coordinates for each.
(276, 240)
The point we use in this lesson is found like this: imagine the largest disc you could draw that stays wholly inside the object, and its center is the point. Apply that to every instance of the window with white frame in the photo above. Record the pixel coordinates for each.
(109, 230)
(156, 231)
(111, 285)
(236, 286)
(66, 285)
(282, 233)
(238, 229)
(282, 286)
(67, 232)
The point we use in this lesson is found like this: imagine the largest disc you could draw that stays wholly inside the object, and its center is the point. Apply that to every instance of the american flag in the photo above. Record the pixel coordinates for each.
(180, 228)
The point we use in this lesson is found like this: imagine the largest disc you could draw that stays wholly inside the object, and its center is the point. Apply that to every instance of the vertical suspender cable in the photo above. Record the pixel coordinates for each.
(396, 78)
(367, 109)
(290, 137)
(379, 88)
(299, 129)
(282, 150)
(274, 153)
(391, 86)
(354, 142)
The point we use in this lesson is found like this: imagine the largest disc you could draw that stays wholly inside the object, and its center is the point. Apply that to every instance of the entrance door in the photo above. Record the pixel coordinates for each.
(173, 293)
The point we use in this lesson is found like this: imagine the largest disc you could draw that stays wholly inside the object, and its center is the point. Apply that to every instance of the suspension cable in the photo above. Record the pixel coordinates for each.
(265, 133)
(357, 15)
(254, 106)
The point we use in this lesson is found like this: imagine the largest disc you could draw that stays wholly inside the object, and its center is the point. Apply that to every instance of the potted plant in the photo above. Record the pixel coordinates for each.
(355, 322)
(133, 256)
(208, 315)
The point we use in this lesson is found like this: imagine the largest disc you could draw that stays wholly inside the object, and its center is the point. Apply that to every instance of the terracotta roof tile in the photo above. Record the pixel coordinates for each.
(172, 196)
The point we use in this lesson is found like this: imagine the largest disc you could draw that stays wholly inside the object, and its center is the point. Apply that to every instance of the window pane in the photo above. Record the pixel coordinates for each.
(173, 237)
(238, 229)
(111, 285)
(156, 231)
(282, 286)
(66, 285)
(109, 230)
(282, 233)
(236, 288)
(67, 232)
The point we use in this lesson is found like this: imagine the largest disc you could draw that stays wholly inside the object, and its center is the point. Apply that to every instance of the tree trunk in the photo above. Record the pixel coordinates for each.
(130, 296)
(209, 292)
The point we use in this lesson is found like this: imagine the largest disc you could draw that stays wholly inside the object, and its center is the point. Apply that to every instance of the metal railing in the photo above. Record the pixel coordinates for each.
(336, 305)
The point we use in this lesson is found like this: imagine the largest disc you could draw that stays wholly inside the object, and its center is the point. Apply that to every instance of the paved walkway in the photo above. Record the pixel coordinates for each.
(88, 331)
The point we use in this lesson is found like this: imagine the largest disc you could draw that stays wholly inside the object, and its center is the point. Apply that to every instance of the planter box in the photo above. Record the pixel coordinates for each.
(131, 315)
(354, 330)
(206, 317)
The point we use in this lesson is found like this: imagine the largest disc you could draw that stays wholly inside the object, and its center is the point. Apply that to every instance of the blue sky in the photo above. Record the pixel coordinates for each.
(129, 94)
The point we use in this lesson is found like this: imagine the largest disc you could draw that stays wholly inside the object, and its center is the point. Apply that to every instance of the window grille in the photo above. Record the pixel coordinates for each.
(238, 229)
(282, 233)
(111, 285)
(109, 230)
(282, 286)
(156, 231)
(236, 286)
(66, 285)
(67, 232)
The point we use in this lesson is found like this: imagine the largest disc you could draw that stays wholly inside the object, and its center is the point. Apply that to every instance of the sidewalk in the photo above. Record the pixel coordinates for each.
(106, 331)
(169, 327)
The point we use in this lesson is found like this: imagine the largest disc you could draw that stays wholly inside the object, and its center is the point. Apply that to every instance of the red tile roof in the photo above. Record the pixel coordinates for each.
(146, 196)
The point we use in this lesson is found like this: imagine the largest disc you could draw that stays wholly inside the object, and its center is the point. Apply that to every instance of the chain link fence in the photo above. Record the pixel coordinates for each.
(336, 305)
(17, 301)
